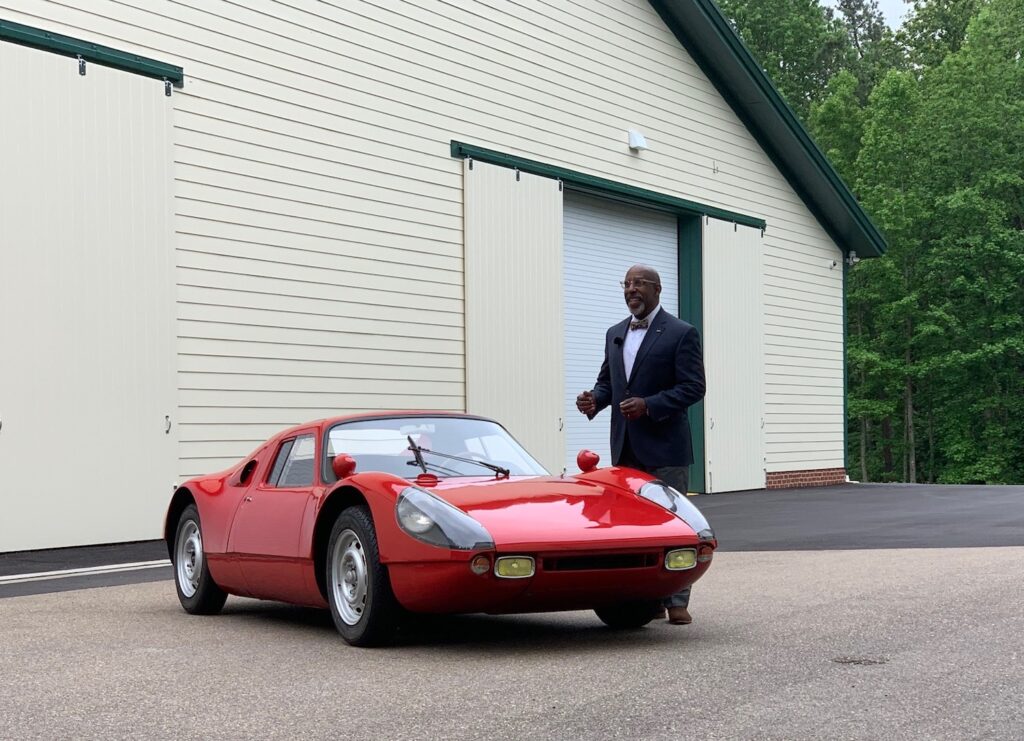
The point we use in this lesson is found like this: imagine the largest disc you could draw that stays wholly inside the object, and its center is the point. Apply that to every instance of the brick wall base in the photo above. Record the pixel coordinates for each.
(813, 477)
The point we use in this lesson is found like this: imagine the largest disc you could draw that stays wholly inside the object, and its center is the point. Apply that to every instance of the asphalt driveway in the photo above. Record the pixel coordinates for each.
(853, 612)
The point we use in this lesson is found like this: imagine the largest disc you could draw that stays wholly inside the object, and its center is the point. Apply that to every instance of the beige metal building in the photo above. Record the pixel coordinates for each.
(218, 219)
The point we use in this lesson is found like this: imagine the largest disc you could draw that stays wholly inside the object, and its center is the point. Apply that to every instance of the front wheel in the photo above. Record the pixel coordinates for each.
(628, 615)
(197, 591)
(359, 592)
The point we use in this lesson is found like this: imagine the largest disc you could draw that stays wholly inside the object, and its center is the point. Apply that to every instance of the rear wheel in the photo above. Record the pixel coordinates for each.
(358, 588)
(197, 591)
(626, 615)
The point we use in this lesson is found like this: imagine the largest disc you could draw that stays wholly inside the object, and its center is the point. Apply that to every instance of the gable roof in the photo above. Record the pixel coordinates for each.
(720, 53)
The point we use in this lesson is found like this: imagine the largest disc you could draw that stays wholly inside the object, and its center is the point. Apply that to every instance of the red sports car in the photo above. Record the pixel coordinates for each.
(376, 516)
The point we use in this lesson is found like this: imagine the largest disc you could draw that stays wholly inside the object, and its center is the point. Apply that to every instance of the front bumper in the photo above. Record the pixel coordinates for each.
(563, 581)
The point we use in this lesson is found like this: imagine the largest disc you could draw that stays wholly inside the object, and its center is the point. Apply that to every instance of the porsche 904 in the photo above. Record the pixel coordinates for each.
(379, 516)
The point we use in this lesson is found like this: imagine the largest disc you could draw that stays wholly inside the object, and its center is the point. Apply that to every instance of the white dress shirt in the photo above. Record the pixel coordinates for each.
(634, 337)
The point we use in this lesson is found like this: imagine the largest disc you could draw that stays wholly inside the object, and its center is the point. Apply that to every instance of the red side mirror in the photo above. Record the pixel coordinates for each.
(587, 460)
(343, 466)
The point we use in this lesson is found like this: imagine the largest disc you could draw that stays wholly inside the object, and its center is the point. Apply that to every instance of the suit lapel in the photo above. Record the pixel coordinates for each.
(652, 336)
(620, 331)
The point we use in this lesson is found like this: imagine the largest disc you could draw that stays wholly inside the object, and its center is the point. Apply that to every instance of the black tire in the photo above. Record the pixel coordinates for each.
(628, 615)
(197, 591)
(363, 606)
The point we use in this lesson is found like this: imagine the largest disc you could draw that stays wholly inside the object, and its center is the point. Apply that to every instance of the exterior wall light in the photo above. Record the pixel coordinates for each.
(637, 141)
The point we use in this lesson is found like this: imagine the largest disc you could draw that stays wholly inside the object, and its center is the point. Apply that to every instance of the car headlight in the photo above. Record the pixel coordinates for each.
(678, 504)
(433, 520)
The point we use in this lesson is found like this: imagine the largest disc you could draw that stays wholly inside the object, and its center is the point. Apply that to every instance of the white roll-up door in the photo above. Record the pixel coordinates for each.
(733, 357)
(603, 238)
(88, 404)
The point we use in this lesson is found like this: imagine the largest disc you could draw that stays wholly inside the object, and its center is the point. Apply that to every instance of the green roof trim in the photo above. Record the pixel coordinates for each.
(720, 53)
(90, 52)
(601, 185)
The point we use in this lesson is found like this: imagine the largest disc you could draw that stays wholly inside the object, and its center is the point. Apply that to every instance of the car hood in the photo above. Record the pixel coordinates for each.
(551, 513)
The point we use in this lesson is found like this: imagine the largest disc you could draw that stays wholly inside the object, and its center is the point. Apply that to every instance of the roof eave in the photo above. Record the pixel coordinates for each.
(714, 45)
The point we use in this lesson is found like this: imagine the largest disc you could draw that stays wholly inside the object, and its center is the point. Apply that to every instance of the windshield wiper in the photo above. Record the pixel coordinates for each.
(418, 452)
(437, 468)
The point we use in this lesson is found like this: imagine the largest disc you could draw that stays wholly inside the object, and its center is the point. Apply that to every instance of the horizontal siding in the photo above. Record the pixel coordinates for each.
(292, 367)
(804, 388)
(206, 345)
(314, 175)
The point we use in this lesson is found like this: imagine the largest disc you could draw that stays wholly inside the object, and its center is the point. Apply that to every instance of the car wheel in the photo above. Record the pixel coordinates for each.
(628, 614)
(197, 591)
(359, 592)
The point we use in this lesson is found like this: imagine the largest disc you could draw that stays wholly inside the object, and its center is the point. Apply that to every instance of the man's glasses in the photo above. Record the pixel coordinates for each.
(637, 282)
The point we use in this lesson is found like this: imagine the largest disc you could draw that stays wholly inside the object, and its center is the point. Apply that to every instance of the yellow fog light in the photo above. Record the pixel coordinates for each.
(514, 567)
(684, 558)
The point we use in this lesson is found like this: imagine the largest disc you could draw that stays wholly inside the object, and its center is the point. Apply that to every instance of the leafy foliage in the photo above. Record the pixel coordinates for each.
(797, 42)
(927, 126)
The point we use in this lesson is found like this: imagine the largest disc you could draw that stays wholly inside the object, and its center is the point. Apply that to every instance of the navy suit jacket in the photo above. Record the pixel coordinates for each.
(669, 374)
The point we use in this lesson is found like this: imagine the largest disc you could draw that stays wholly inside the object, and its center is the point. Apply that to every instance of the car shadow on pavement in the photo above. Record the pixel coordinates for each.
(569, 632)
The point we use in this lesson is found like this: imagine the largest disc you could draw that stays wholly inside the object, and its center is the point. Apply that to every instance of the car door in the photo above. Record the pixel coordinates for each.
(265, 533)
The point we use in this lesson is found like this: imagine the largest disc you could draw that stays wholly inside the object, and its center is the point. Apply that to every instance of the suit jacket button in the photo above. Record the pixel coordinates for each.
(627, 391)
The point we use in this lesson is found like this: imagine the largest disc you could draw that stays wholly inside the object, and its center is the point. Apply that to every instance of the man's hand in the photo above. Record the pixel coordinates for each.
(586, 404)
(632, 408)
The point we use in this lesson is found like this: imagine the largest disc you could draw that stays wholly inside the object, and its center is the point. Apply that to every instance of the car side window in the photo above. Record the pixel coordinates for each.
(294, 465)
(282, 456)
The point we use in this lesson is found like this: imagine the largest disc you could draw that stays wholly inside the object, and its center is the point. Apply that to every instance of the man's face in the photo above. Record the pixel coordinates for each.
(641, 292)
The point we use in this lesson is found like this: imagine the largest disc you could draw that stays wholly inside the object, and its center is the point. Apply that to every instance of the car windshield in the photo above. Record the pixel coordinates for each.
(383, 445)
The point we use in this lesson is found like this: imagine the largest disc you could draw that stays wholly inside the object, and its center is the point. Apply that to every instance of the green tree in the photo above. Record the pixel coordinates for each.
(889, 291)
(941, 171)
(973, 114)
(797, 42)
(837, 124)
(874, 46)
(936, 29)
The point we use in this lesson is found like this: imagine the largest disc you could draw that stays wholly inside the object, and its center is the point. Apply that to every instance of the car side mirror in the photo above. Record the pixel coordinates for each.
(587, 460)
(343, 465)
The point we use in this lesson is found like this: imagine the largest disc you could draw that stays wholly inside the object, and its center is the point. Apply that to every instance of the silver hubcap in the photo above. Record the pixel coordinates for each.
(349, 579)
(188, 563)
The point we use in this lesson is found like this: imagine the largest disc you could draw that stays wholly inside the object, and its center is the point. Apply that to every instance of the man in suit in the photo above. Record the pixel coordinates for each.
(653, 371)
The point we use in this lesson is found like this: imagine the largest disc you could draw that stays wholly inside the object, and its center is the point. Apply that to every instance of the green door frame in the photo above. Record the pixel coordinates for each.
(691, 309)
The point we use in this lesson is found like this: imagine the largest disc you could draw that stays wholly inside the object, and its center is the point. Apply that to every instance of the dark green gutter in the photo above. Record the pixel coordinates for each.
(90, 52)
(601, 185)
(720, 53)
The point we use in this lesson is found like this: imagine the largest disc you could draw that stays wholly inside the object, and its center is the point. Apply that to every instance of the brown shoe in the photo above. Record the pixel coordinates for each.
(679, 616)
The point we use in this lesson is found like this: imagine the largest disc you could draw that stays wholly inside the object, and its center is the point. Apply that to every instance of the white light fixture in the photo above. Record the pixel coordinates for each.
(636, 140)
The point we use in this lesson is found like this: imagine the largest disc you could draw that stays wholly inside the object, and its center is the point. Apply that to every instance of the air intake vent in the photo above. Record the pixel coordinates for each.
(602, 563)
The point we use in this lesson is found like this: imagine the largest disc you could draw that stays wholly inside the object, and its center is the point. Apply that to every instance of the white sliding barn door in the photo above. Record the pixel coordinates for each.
(88, 404)
(733, 357)
(513, 224)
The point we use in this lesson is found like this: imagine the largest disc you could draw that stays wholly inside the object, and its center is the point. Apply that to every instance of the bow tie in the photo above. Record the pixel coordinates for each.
(638, 324)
